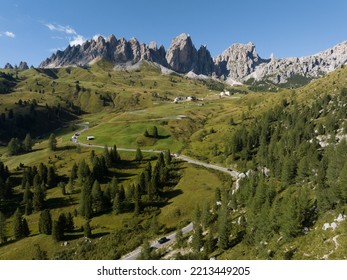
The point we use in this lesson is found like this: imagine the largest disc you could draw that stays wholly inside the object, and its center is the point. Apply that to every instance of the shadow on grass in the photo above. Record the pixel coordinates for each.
(60, 202)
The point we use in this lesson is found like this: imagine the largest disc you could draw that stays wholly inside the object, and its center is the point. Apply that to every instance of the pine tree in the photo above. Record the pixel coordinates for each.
(343, 183)
(51, 177)
(168, 157)
(86, 200)
(209, 243)
(73, 174)
(107, 156)
(45, 222)
(27, 143)
(18, 230)
(145, 253)
(87, 229)
(69, 223)
(97, 198)
(197, 241)
(3, 233)
(39, 253)
(52, 142)
(223, 228)
(13, 147)
(25, 227)
(138, 156)
(117, 204)
(56, 231)
(137, 201)
(179, 238)
(38, 197)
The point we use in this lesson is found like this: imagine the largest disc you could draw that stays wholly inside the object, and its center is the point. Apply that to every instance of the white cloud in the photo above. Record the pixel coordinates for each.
(96, 36)
(8, 34)
(77, 40)
(60, 28)
(74, 38)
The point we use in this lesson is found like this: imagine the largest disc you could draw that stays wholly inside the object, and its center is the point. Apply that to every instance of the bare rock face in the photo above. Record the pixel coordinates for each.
(8, 66)
(182, 55)
(313, 66)
(23, 65)
(118, 51)
(238, 61)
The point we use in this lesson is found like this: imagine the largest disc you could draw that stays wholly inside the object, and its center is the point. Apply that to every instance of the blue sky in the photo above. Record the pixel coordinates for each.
(32, 30)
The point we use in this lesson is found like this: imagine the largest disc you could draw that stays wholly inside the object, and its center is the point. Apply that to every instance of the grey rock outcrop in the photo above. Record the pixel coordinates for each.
(23, 65)
(238, 63)
(117, 51)
(8, 66)
(183, 57)
(313, 66)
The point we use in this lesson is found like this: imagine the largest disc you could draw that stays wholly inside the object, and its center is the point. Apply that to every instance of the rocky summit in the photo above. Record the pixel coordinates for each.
(238, 63)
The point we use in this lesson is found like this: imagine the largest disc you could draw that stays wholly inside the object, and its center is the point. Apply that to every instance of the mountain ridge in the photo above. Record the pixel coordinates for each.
(238, 63)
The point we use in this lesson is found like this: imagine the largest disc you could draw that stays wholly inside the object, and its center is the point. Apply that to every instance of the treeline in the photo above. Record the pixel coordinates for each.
(296, 157)
(32, 118)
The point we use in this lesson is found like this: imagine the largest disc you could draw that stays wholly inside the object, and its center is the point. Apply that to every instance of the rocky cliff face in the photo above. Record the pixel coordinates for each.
(118, 51)
(313, 66)
(22, 66)
(239, 62)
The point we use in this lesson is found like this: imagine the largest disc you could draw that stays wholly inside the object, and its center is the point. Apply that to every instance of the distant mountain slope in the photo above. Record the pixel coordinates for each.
(240, 62)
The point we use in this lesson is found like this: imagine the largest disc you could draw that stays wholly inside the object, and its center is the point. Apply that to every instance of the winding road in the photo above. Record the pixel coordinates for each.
(172, 236)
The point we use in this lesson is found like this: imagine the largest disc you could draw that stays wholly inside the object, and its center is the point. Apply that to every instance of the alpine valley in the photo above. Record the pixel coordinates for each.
(116, 149)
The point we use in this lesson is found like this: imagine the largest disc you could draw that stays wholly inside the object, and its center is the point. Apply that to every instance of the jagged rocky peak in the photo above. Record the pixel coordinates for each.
(182, 55)
(23, 65)
(8, 66)
(238, 61)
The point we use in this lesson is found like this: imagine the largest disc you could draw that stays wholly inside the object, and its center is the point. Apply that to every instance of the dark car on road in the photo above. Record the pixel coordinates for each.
(163, 240)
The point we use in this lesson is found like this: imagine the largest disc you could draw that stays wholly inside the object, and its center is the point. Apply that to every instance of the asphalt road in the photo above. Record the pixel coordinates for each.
(155, 244)
(171, 237)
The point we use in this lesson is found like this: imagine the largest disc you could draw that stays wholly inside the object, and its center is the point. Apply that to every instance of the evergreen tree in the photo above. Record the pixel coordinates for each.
(145, 253)
(25, 227)
(39, 253)
(52, 142)
(45, 222)
(27, 143)
(154, 226)
(38, 197)
(57, 231)
(86, 200)
(69, 223)
(87, 229)
(108, 157)
(51, 177)
(168, 157)
(83, 171)
(117, 204)
(179, 238)
(209, 243)
(137, 201)
(223, 228)
(197, 241)
(18, 229)
(138, 156)
(97, 198)
(3, 233)
(343, 183)
(73, 174)
(13, 147)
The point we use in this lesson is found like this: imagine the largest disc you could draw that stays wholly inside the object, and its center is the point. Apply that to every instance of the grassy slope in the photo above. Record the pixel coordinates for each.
(192, 135)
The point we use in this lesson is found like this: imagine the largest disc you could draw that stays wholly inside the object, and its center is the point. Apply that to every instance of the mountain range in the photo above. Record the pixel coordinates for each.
(238, 63)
